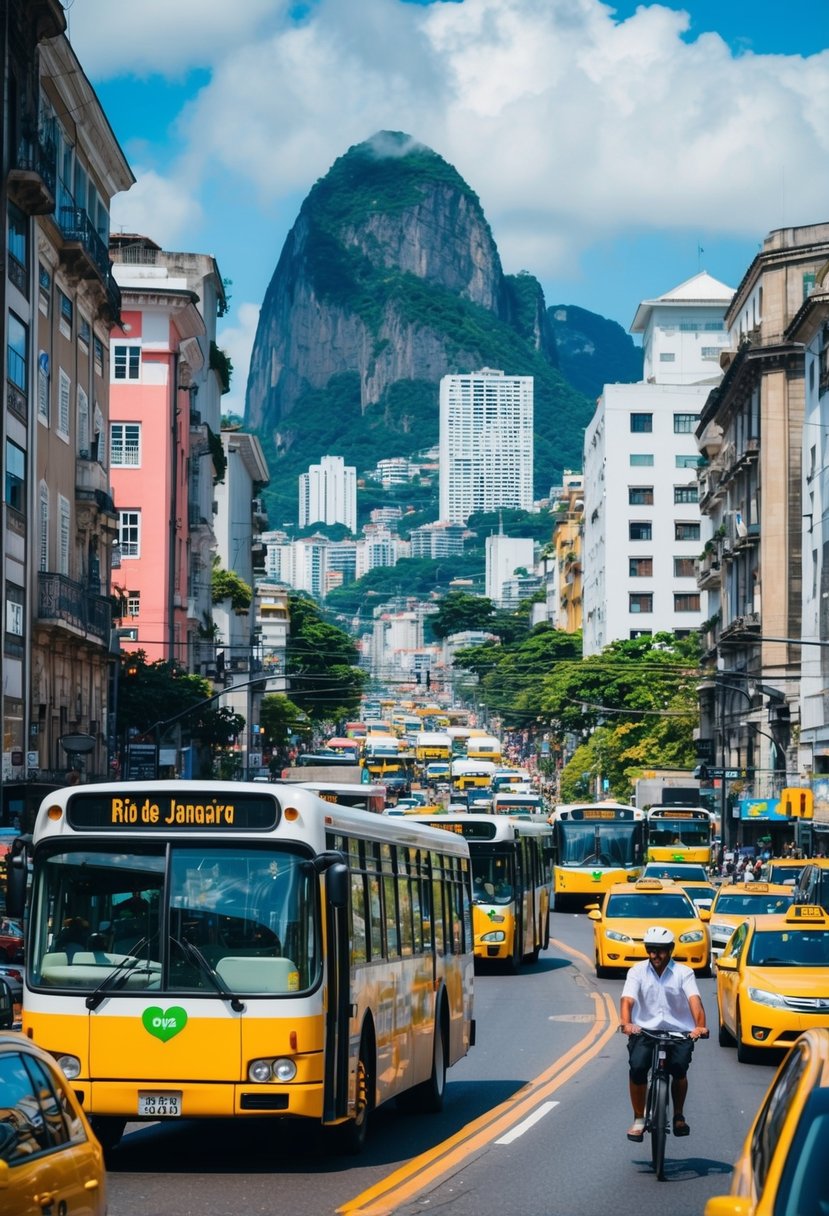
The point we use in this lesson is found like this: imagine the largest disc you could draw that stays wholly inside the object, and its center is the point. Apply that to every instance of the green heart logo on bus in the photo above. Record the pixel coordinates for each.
(164, 1024)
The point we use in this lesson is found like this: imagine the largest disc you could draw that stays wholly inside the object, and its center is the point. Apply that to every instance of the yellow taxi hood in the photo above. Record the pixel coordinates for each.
(790, 981)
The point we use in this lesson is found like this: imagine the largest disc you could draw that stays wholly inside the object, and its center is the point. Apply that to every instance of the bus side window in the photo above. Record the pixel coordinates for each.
(358, 918)
(437, 907)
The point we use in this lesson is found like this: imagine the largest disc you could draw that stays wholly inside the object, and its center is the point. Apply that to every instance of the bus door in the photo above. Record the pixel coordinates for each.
(338, 1005)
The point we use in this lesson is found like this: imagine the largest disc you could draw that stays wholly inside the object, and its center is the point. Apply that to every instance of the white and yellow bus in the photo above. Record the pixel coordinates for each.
(217, 949)
(596, 844)
(512, 869)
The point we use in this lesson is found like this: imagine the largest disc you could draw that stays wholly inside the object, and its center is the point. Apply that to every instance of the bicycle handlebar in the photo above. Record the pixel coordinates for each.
(670, 1035)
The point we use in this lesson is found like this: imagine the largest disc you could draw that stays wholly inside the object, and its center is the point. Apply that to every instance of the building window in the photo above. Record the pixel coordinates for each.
(64, 521)
(641, 460)
(687, 462)
(43, 389)
(640, 529)
(640, 496)
(686, 493)
(19, 245)
(809, 279)
(126, 361)
(125, 444)
(641, 424)
(686, 601)
(685, 424)
(44, 283)
(640, 601)
(83, 424)
(667, 356)
(64, 392)
(711, 352)
(133, 603)
(640, 567)
(15, 492)
(14, 610)
(84, 332)
(640, 633)
(129, 533)
(686, 531)
(17, 352)
(98, 354)
(684, 567)
(43, 524)
(66, 313)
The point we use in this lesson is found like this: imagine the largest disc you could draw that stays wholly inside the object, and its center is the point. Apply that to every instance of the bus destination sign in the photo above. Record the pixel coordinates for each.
(139, 811)
(472, 829)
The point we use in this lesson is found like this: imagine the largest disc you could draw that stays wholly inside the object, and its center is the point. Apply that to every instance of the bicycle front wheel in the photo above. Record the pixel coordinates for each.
(659, 1124)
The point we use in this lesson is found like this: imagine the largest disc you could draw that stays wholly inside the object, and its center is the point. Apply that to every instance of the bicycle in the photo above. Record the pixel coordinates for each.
(656, 1102)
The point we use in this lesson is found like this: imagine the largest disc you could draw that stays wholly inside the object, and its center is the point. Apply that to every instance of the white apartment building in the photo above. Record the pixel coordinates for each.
(505, 555)
(486, 443)
(643, 530)
(437, 540)
(328, 494)
(380, 548)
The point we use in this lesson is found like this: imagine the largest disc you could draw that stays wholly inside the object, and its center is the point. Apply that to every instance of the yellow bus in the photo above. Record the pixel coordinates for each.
(512, 880)
(596, 844)
(217, 949)
(680, 833)
(472, 774)
(484, 747)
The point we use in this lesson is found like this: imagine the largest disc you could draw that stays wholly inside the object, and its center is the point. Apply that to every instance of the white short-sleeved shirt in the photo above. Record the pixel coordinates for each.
(661, 1001)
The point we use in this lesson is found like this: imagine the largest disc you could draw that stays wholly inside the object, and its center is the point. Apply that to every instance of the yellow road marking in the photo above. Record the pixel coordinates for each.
(427, 1169)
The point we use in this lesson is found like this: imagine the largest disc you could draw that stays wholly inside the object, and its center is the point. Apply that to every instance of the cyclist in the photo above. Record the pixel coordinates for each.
(660, 994)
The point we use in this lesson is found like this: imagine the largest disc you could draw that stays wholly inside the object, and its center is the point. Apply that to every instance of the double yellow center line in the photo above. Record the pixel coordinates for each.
(425, 1171)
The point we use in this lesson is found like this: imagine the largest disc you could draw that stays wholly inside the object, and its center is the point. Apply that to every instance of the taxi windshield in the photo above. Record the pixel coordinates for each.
(140, 919)
(752, 905)
(787, 948)
(656, 907)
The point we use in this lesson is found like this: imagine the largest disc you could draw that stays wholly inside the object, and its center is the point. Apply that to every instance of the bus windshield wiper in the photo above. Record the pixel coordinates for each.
(119, 974)
(194, 953)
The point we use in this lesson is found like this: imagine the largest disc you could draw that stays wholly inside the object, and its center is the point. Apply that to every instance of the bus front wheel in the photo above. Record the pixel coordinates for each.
(350, 1137)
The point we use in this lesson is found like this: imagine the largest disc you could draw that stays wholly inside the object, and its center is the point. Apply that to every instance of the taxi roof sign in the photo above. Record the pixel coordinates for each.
(813, 914)
(649, 884)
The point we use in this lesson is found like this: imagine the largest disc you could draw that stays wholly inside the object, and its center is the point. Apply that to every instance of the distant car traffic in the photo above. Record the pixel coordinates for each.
(13, 975)
(11, 941)
(771, 980)
(782, 1166)
(737, 900)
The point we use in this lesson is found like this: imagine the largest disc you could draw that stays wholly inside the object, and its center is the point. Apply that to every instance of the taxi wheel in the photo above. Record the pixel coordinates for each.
(724, 1037)
(602, 973)
(745, 1054)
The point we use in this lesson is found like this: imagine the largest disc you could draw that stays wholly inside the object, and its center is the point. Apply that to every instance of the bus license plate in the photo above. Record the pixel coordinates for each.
(159, 1106)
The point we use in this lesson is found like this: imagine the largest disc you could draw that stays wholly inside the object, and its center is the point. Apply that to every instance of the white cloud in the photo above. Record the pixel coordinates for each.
(159, 207)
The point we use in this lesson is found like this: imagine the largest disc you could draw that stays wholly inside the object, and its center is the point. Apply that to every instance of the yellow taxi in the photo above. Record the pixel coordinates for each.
(629, 908)
(690, 876)
(782, 1166)
(49, 1158)
(773, 980)
(785, 870)
(737, 900)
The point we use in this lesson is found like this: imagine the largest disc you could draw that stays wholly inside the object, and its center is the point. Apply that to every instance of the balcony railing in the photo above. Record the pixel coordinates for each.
(61, 599)
(32, 178)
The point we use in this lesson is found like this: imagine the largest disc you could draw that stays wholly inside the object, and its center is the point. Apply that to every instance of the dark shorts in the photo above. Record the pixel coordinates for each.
(640, 1052)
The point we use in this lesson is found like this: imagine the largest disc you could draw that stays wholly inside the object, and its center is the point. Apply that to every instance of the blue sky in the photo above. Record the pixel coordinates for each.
(616, 149)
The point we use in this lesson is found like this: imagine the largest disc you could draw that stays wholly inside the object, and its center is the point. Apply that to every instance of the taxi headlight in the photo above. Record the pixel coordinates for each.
(615, 936)
(70, 1066)
(721, 930)
(284, 1069)
(761, 997)
(260, 1070)
(693, 935)
(497, 935)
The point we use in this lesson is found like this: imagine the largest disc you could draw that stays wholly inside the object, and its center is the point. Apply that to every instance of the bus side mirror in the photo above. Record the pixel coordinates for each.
(336, 885)
(17, 873)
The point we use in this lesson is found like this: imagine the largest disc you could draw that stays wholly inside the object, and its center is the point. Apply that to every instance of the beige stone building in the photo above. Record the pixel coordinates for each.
(751, 434)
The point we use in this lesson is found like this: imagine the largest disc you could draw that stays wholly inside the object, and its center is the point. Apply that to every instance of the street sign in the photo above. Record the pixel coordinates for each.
(730, 774)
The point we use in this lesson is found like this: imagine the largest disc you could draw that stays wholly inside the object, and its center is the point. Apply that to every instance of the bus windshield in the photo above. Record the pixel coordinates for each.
(181, 919)
(603, 844)
(689, 833)
(492, 876)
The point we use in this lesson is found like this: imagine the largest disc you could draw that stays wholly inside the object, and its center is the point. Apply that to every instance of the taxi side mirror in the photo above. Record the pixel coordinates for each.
(594, 914)
(703, 913)
(726, 964)
(728, 1205)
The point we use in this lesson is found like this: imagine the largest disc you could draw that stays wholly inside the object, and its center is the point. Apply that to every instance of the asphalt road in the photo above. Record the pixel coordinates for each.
(534, 1123)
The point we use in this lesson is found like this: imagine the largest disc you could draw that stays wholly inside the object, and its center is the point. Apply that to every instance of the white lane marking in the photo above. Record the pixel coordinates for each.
(520, 1128)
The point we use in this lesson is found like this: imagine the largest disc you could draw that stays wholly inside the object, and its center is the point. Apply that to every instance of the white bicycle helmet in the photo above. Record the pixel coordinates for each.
(658, 935)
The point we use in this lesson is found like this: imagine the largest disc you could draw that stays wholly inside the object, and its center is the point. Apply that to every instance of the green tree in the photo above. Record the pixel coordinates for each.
(459, 612)
(280, 720)
(226, 584)
(325, 681)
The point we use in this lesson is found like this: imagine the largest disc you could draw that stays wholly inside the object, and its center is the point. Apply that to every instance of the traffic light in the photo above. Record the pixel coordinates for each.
(132, 669)
(798, 803)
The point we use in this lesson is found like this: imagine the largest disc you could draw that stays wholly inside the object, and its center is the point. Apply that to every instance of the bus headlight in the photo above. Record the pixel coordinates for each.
(693, 935)
(284, 1069)
(617, 937)
(263, 1071)
(70, 1066)
(497, 935)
